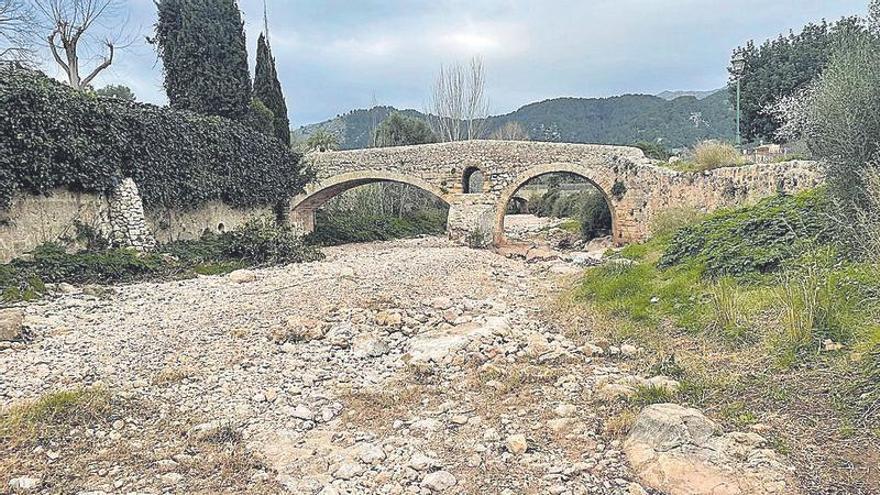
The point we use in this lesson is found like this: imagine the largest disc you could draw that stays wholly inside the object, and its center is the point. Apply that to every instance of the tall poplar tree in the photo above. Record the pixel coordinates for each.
(204, 52)
(267, 89)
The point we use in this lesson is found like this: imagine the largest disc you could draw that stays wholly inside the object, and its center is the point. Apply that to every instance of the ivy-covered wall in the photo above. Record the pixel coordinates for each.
(54, 137)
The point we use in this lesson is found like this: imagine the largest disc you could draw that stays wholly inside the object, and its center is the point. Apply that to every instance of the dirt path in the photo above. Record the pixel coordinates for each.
(403, 367)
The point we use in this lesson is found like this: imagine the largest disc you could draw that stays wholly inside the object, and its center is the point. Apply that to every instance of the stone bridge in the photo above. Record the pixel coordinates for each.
(636, 188)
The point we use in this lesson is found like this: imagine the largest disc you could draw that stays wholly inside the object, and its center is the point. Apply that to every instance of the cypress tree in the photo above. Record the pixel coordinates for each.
(203, 48)
(267, 89)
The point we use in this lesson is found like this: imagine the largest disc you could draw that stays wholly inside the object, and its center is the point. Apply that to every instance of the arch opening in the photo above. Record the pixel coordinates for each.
(560, 207)
(367, 207)
(472, 181)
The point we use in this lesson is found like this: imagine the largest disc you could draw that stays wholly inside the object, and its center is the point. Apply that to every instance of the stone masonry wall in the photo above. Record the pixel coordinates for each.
(637, 189)
(32, 220)
(173, 225)
(128, 227)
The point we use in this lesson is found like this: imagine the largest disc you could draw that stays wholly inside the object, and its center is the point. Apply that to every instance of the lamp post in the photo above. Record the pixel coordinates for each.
(739, 66)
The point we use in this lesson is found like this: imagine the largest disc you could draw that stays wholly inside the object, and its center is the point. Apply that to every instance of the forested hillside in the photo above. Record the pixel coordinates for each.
(618, 120)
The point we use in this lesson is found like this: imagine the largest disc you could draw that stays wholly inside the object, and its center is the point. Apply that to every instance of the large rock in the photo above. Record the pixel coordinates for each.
(11, 322)
(436, 345)
(242, 276)
(439, 481)
(541, 253)
(679, 451)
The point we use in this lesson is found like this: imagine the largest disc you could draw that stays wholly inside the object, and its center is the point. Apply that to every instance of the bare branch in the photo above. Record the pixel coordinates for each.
(72, 23)
(458, 105)
(17, 27)
(55, 52)
(106, 63)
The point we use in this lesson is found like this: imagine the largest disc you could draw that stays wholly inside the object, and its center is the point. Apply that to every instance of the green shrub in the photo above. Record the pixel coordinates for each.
(350, 226)
(594, 215)
(755, 239)
(83, 142)
(262, 241)
(654, 150)
(52, 264)
(259, 242)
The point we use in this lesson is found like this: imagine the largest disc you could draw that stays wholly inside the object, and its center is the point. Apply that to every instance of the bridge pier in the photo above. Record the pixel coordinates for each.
(472, 220)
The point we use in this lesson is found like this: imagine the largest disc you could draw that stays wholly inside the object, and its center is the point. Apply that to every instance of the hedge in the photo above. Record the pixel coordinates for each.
(52, 136)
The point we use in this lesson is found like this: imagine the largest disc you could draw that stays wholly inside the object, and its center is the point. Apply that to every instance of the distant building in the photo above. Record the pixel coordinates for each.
(766, 153)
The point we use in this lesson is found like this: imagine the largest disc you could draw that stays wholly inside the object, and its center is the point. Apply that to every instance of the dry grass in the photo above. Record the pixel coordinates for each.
(618, 425)
(805, 412)
(710, 154)
(56, 438)
(173, 374)
(715, 154)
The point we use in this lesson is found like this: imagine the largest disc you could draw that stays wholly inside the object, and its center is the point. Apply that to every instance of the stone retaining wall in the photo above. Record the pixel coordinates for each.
(214, 216)
(32, 220)
(120, 217)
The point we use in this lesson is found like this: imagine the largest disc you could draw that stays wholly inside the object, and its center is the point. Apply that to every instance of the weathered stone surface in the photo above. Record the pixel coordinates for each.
(435, 345)
(128, 225)
(242, 276)
(517, 444)
(679, 451)
(24, 484)
(439, 481)
(11, 321)
(643, 189)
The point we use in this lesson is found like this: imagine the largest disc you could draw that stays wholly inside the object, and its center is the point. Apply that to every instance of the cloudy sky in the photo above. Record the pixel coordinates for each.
(336, 55)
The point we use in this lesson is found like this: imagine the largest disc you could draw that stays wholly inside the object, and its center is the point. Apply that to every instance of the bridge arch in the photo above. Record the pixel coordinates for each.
(599, 177)
(303, 206)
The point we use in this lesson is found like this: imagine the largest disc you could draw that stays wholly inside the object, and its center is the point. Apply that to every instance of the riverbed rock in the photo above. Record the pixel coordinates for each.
(679, 451)
(11, 323)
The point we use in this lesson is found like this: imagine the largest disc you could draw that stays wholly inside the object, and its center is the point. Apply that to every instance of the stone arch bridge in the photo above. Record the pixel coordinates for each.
(636, 188)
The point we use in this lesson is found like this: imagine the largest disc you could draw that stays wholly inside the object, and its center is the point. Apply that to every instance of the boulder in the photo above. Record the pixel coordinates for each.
(541, 253)
(436, 345)
(368, 345)
(513, 250)
(242, 276)
(678, 451)
(387, 318)
(11, 323)
(439, 481)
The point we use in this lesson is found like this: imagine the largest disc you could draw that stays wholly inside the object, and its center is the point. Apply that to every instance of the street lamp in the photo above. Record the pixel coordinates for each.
(739, 66)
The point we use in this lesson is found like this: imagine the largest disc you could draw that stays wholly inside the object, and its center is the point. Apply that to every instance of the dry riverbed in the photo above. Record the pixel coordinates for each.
(408, 367)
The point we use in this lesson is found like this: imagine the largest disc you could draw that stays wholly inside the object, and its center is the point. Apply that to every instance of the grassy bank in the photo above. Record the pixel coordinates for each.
(764, 320)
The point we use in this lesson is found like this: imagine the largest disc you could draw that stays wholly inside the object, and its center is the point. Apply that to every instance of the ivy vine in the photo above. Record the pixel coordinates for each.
(52, 136)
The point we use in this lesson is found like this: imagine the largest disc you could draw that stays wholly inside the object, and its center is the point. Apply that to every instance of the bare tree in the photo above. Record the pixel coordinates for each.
(17, 27)
(458, 104)
(71, 22)
(511, 131)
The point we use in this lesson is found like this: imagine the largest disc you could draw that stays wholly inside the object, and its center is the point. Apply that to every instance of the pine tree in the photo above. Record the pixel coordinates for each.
(203, 48)
(267, 89)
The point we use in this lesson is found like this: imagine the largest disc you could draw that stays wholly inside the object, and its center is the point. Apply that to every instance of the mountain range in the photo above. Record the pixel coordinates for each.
(674, 121)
